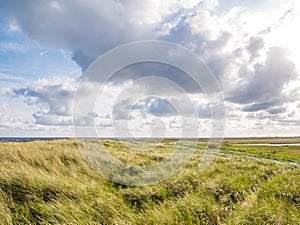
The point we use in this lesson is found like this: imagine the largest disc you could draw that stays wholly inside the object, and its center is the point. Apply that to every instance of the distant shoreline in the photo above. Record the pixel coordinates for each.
(29, 139)
(275, 140)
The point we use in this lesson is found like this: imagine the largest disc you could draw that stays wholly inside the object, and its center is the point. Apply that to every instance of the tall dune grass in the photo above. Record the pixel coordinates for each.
(50, 183)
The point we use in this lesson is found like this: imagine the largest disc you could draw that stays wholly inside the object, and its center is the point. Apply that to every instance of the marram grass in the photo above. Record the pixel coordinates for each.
(50, 183)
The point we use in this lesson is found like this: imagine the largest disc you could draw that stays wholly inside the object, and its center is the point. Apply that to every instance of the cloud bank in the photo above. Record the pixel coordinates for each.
(254, 75)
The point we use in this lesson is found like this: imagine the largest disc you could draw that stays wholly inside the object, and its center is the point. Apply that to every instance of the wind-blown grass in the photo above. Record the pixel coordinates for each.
(50, 183)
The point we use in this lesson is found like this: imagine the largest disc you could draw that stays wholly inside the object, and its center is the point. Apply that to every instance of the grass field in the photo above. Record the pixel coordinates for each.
(50, 183)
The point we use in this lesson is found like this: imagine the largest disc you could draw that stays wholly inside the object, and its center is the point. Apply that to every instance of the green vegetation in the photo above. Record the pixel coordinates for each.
(50, 183)
(282, 153)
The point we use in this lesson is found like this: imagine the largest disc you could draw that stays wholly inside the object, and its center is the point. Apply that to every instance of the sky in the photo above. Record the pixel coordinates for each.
(252, 48)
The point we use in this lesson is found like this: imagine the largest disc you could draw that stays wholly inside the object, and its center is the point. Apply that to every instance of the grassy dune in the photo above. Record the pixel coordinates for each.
(50, 183)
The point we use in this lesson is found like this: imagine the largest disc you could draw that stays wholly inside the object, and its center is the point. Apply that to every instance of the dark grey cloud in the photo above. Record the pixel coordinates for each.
(88, 28)
(87, 120)
(155, 106)
(255, 45)
(51, 120)
(290, 122)
(57, 22)
(159, 107)
(81, 59)
(261, 106)
(146, 69)
(271, 107)
(277, 111)
(162, 107)
(263, 86)
(91, 28)
(56, 98)
(202, 44)
(220, 64)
